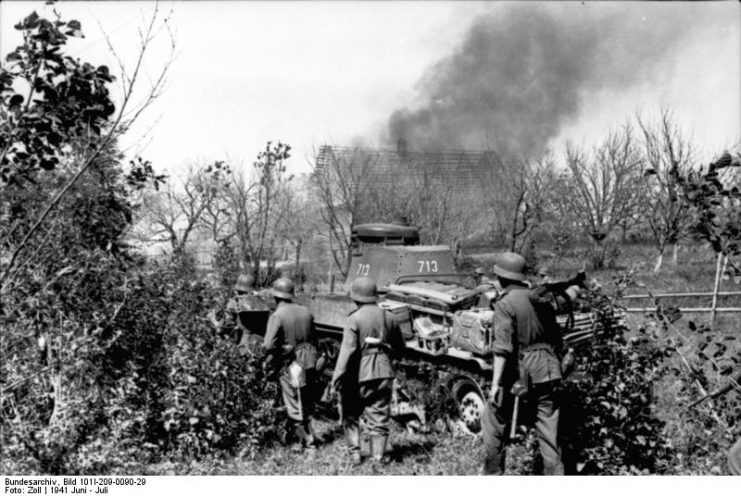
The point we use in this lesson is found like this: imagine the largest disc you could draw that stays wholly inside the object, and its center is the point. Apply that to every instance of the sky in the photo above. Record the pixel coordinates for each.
(460, 74)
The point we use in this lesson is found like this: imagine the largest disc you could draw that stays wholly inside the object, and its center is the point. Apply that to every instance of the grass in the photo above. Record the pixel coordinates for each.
(435, 453)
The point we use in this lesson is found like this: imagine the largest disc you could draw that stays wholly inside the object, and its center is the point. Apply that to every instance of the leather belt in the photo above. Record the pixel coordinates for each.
(536, 347)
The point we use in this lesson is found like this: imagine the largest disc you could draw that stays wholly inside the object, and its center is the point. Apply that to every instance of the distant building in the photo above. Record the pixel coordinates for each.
(467, 171)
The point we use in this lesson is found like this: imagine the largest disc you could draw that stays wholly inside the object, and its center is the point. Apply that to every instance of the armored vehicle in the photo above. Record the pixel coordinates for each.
(443, 320)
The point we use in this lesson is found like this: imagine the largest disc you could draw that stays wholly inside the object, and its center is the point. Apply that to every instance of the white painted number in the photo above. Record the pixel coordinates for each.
(363, 269)
(427, 265)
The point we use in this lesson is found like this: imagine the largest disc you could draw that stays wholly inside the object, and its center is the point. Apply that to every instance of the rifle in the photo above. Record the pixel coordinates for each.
(579, 280)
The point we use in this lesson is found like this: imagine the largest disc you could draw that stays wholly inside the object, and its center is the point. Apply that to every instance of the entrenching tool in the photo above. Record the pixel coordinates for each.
(515, 412)
(518, 389)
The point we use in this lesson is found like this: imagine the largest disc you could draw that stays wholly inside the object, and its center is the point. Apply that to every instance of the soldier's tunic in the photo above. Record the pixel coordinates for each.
(535, 339)
(289, 335)
(364, 371)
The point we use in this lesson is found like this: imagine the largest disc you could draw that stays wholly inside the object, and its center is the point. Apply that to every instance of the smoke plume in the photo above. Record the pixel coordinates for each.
(521, 72)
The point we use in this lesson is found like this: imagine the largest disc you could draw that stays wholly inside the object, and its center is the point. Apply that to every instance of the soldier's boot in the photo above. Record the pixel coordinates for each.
(311, 439)
(352, 437)
(378, 449)
(306, 435)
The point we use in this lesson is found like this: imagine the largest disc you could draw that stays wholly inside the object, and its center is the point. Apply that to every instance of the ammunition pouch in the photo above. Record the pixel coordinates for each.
(321, 363)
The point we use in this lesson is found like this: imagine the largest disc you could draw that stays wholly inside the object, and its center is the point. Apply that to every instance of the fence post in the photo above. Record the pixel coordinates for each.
(719, 269)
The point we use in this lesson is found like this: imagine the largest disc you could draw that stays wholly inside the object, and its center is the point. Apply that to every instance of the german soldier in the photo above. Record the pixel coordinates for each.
(289, 345)
(527, 335)
(246, 299)
(364, 375)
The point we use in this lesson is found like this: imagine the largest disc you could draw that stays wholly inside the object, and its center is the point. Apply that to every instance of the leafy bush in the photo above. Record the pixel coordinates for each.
(626, 409)
(226, 264)
(609, 417)
(157, 382)
(215, 399)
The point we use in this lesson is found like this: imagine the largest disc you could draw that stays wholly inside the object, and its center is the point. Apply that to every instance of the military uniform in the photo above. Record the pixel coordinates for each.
(364, 374)
(533, 339)
(290, 336)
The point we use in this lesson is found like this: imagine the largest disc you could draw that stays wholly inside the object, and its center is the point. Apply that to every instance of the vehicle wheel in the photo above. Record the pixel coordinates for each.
(470, 405)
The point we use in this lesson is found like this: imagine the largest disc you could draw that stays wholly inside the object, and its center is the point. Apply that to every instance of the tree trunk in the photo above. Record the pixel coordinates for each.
(597, 255)
(256, 272)
(298, 273)
(348, 262)
(298, 254)
(659, 261)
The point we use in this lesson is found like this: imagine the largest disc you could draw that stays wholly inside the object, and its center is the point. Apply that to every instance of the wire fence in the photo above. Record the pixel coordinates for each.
(711, 309)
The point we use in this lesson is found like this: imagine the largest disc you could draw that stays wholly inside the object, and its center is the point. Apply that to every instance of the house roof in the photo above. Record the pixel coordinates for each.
(462, 169)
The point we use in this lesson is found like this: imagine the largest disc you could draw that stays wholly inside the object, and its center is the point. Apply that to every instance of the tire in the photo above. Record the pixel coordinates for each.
(470, 401)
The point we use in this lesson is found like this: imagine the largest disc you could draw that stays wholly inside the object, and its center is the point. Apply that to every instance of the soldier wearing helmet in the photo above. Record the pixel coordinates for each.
(527, 347)
(364, 374)
(289, 345)
(235, 325)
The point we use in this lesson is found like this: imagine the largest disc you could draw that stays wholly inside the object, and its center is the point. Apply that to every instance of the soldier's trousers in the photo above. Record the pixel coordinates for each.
(495, 424)
(372, 398)
(299, 404)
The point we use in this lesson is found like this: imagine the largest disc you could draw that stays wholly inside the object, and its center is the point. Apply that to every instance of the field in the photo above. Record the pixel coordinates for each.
(119, 341)
(455, 452)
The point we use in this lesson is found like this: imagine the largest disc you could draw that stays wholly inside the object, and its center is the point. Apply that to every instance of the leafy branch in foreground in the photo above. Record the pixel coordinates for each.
(57, 111)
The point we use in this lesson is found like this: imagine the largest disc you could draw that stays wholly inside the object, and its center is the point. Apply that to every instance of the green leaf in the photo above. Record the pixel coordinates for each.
(31, 21)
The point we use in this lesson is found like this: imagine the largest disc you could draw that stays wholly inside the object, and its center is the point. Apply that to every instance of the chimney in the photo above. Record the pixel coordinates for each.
(401, 147)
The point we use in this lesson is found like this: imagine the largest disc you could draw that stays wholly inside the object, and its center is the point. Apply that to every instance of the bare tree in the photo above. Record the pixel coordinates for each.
(519, 199)
(665, 153)
(174, 212)
(342, 182)
(603, 188)
(424, 197)
(259, 202)
(217, 219)
(301, 224)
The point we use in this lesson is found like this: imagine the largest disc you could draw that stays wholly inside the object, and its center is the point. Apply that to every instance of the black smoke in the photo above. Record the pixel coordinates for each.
(522, 72)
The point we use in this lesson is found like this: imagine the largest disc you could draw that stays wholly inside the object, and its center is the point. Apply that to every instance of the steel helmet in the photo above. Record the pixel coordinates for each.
(245, 282)
(479, 271)
(283, 288)
(511, 266)
(364, 290)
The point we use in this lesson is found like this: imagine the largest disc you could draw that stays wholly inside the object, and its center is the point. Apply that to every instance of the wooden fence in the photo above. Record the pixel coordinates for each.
(720, 269)
(685, 295)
